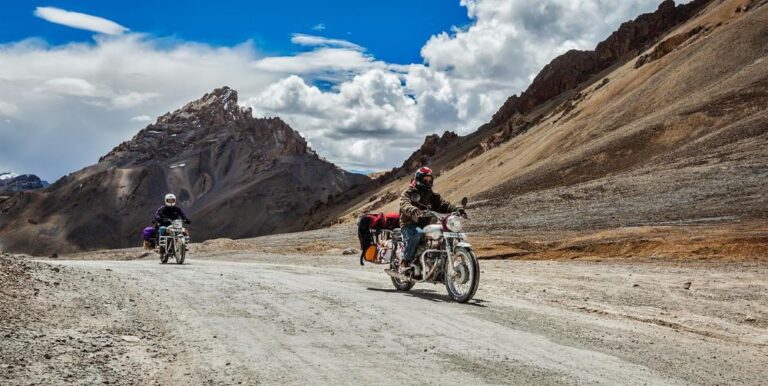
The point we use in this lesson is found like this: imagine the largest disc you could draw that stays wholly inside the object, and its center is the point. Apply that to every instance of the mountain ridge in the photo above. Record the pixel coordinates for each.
(221, 162)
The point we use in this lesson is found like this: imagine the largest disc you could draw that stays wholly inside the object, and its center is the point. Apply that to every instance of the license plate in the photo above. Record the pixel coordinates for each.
(454, 235)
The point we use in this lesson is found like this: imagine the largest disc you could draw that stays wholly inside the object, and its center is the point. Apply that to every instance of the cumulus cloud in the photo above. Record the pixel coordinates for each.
(369, 114)
(319, 27)
(466, 75)
(79, 20)
(511, 40)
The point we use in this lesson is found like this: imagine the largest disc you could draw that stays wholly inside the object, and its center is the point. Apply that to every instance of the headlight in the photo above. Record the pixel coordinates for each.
(453, 223)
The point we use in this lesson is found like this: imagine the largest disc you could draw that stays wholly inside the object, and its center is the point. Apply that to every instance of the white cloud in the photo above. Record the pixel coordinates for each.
(319, 27)
(371, 114)
(319, 41)
(511, 40)
(60, 96)
(7, 109)
(466, 75)
(79, 20)
(141, 118)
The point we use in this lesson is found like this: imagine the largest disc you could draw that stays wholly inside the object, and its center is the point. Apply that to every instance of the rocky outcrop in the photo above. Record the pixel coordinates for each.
(20, 183)
(235, 175)
(669, 45)
(434, 145)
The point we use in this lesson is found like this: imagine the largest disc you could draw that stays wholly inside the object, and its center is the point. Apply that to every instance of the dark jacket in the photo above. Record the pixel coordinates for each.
(426, 199)
(165, 214)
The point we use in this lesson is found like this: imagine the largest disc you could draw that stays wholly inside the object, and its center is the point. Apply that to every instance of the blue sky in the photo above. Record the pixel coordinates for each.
(393, 30)
(79, 77)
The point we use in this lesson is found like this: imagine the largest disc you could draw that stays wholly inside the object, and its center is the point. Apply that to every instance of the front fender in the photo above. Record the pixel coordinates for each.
(462, 244)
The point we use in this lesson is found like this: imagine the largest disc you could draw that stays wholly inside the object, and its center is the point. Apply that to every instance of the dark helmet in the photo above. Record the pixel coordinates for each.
(424, 178)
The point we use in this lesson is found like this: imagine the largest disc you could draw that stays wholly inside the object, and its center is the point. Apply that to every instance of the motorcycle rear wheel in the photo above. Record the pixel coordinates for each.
(394, 265)
(463, 287)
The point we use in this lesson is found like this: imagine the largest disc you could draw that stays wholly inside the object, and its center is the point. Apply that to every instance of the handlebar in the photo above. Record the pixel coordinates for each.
(440, 216)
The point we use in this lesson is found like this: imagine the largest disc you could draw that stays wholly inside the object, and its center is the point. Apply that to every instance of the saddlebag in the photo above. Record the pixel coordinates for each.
(148, 233)
(369, 229)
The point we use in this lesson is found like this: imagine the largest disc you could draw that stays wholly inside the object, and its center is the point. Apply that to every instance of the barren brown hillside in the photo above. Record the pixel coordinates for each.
(674, 136)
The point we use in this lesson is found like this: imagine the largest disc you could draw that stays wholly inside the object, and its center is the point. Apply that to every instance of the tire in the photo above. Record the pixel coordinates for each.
(469, 287)
(180, 252)
(394, 265)
(163, 255)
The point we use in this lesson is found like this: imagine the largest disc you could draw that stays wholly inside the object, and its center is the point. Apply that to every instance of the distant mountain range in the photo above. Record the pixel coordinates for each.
(664, 122)
(10, 182)
(235, 175)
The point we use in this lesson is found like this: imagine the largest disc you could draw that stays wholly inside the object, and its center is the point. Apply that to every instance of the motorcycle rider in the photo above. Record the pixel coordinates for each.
(165, 215)
(419, 195)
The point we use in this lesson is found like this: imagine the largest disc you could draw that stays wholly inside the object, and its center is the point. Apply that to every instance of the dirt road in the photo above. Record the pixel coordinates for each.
(299, 319)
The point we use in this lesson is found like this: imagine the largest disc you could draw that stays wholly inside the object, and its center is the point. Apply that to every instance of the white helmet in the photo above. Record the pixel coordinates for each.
(170, 199)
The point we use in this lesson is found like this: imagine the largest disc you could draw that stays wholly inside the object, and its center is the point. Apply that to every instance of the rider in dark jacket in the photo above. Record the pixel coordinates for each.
(417, 198)
(165, 214)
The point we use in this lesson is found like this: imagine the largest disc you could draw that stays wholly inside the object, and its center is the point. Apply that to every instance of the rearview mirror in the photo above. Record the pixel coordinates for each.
(464, 201)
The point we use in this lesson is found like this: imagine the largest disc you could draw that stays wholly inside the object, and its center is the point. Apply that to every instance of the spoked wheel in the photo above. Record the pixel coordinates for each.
(180, 251)
(463, 285)
(163, 254)
(399, 284)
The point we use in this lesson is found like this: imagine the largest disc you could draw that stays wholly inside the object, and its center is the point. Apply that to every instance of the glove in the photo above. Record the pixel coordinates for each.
(463, 213)
(187, 221)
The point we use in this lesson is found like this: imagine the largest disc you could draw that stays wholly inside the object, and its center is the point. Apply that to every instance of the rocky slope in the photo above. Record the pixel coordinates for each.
(235, 175)
(663, 123)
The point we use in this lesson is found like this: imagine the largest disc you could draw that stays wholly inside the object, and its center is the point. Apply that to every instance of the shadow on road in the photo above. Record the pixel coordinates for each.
(429, 295)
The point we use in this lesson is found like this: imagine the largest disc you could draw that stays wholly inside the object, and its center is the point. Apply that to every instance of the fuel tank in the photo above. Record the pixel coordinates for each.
(433, 232)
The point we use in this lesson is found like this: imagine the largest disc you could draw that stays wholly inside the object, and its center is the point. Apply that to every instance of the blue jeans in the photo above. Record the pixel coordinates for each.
(412, 235)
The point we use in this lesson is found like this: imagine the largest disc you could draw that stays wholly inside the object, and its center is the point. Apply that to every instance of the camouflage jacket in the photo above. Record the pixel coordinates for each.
(426, 199)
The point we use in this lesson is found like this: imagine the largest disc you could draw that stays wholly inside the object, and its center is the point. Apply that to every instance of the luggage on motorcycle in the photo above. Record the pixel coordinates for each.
(148, 233)
(384, 220)
(364, 235)
(369, 226)
(371, 253)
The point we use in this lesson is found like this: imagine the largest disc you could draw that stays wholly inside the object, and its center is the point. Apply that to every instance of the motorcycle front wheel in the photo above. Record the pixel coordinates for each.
(180, 251)
(163, 255)
(463, 285)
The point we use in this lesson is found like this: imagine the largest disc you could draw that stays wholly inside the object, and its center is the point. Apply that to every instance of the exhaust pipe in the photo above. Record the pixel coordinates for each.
(397, 275)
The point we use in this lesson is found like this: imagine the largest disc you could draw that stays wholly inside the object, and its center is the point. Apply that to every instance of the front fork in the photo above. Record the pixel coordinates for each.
(449, 249)
(449, 258)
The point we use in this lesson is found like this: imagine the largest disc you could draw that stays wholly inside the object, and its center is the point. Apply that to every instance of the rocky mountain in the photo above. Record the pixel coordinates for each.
(10, 183)
(663, 123)
(235, 175)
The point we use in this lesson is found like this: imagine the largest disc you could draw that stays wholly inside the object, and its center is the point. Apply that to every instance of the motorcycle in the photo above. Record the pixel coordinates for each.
(444, 256)
(173, 243)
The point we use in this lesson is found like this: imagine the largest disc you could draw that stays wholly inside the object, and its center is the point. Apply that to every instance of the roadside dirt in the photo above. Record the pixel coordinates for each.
(64, 325)
(253, 317)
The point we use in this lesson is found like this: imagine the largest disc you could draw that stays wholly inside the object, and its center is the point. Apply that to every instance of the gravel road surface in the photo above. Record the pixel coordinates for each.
(298, 319)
